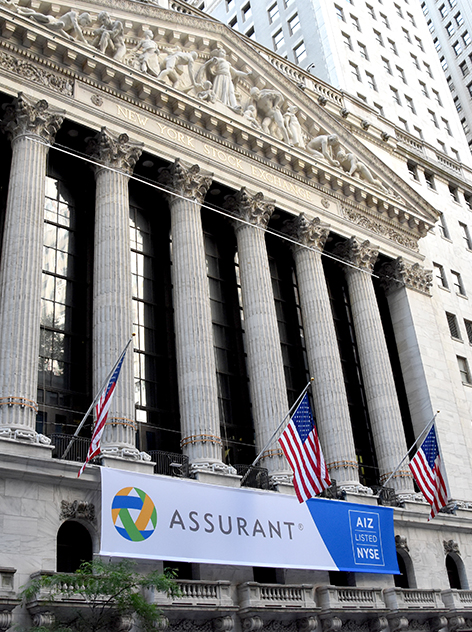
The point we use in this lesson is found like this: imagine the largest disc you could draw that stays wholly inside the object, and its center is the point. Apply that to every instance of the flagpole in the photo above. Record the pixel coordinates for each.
(424, 431)
(105, 382)
(259, 456)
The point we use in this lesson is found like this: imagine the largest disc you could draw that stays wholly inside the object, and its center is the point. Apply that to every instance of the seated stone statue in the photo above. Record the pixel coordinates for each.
(173, 70)
(352, 165)
(325, 146)
(268, 104)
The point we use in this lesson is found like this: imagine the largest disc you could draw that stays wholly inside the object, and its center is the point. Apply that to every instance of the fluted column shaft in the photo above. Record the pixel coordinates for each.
(264, 354)
(329, 392)
(196, 363)
(112, 288)
(29, 126)
(382, 400)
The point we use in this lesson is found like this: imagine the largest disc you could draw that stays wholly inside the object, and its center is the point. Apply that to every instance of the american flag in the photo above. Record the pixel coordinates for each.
(101, 412)
(429, 473)
(301, 446)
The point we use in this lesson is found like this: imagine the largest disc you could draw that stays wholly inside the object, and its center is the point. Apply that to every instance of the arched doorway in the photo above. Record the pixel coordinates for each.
(74, 546)
(456, 572)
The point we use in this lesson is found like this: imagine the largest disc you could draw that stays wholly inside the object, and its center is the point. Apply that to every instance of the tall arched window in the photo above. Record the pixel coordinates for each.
(406, 579)
(74, 546)
(456, 572)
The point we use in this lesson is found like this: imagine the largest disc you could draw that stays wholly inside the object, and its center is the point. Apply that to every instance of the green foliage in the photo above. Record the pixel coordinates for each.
(104, 593)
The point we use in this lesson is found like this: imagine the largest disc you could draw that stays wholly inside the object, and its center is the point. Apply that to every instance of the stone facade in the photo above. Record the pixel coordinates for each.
(268, 242)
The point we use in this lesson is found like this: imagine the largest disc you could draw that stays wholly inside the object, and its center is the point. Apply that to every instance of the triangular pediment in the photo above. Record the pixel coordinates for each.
(203, 76)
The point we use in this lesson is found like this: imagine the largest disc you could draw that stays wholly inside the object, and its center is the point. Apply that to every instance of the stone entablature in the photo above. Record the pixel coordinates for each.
(214, 92)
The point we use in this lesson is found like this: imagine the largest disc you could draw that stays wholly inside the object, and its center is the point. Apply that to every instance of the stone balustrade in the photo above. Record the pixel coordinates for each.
(457, 599)
(253, 595)
(197, 593)
(334, 598)
(413, 599)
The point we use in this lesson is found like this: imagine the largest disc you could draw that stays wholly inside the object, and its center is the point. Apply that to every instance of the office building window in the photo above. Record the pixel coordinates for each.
(278, 39)
(371, 81)
(464, 68)
(251, 33)
(378, 37)
(300, 51)
(406, 35)
(440, 275)
(437, 44)
(233, 23)
(386, 65)
(415, 61)
(385, 20)
(453, 326)
(339, 13)
(443, 10)
(465, 126)
(229, 5)
(466, 38)
(355, 23)
(246, 12)
(401, 74)
(468, 329)
(450, 28)
(398, 9)
(395, 95)
(464, 370)
(412, 169)
(444, 64)
(273, 12)
(437, 97)
(433, 119)
(294, 24)
(404, 123)
(430, 26)
(363, 51)
(424, 89)
(410, 105)
(459, 19)
(442, 226)
(418, 132)
(347, 41)
(379, 109)
(429, 178)
(419, 43)
(446, 126)
(465, 234)
(455, 153)
(411, 18)
(453, 193)
(371, 11)
(457, 48)
(393, 46)
(457, 283)
(468, 200)
(355, 71)
(427, 67)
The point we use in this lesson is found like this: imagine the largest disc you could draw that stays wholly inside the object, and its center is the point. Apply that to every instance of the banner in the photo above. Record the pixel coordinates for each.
(164, 518)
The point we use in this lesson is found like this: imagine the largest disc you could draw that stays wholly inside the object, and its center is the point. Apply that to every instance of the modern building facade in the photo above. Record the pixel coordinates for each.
(449, 24)
(254, 227)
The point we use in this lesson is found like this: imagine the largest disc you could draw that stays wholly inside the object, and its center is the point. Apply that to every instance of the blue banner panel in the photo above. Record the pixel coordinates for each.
(359, 537)
(163, 518)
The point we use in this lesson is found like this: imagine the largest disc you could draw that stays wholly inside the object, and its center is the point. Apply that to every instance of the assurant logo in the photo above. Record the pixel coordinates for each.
(134, 514)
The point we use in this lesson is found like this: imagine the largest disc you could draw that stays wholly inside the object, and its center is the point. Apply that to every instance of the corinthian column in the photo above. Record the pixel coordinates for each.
(30, 126)
(112, 291)
(264, 354)
(382, 400)
(196, 365)
(329, 393)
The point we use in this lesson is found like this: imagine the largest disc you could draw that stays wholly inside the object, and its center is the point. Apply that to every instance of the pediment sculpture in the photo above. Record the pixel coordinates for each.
(213, 79)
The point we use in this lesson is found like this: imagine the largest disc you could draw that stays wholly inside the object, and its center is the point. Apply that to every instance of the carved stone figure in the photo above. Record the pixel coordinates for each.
(147, 54)
(268, 104)
(250, 113)
(293, 126)
(68, 25)
(224, 76)
(109, 35)
(325, 145)
(207, 94)
(350, 163)
(173, 70)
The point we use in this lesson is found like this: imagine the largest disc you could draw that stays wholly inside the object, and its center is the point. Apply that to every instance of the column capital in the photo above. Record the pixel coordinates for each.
(360, 254)
(114, 150)
(251, 208)
(34, 118)
(308, 232)
(185, 181)
(399, 273)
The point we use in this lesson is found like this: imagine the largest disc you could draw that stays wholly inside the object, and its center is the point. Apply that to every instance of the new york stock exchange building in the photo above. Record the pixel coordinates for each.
(254, 228)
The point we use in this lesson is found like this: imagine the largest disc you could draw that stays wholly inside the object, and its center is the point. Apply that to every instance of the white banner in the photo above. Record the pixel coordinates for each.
(194, 522)
(163, 518)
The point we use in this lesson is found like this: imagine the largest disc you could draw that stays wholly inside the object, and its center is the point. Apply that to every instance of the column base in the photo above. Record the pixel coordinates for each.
(130, 465)
(31, 447)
